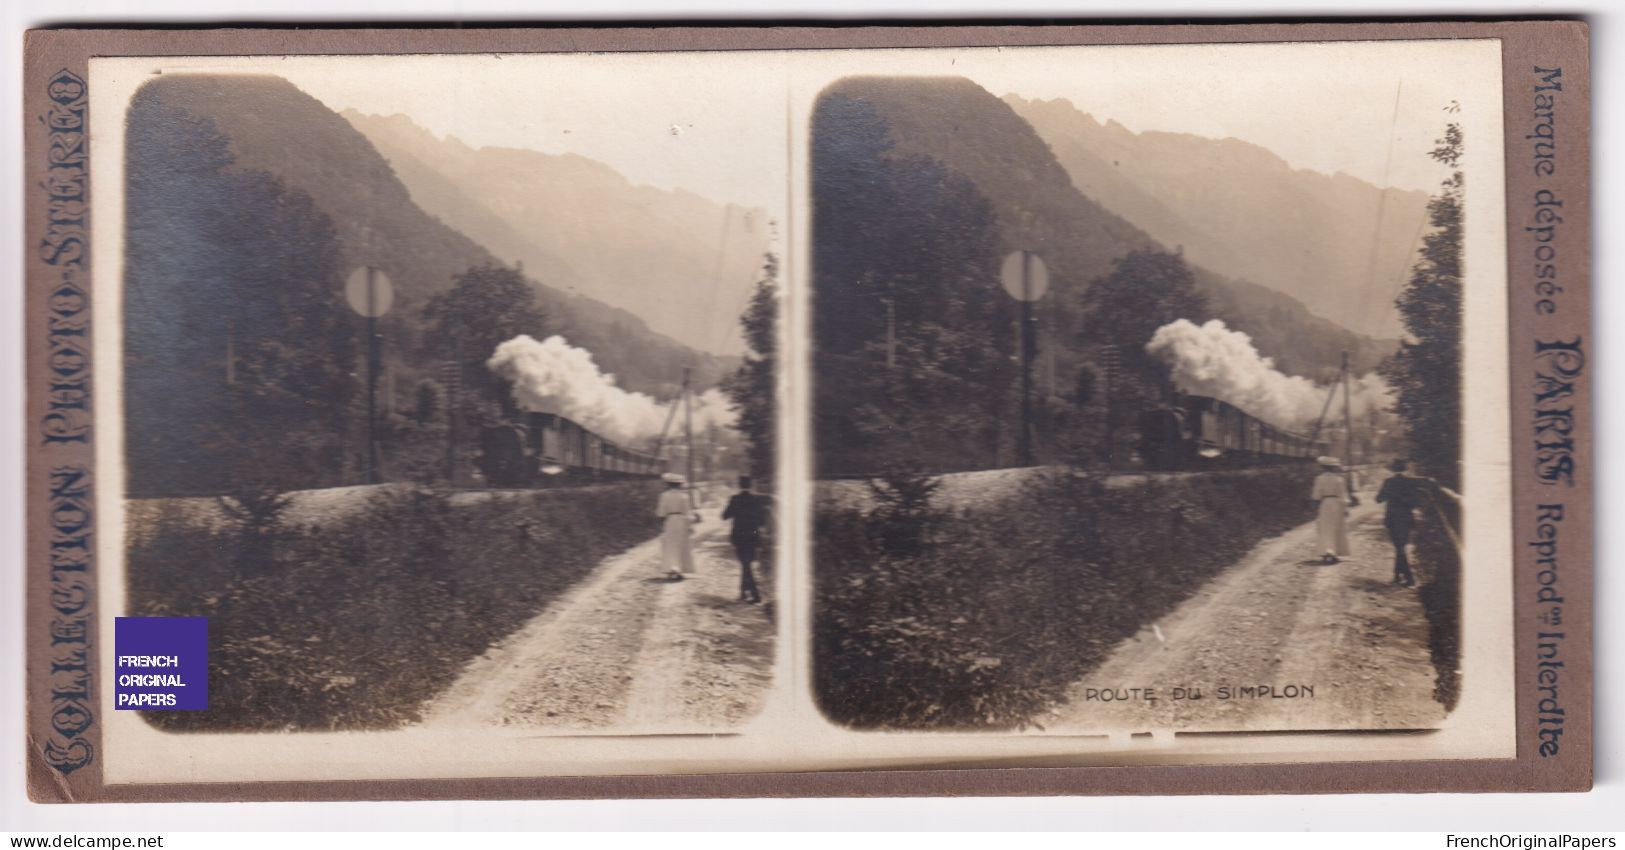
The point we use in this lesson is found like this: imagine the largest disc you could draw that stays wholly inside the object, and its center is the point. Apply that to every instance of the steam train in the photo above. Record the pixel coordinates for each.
(546, 449)
(1201, 432)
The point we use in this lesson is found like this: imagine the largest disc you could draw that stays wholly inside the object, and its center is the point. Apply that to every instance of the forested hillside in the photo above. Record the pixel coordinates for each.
(247, 204)
(980, 137)
(920, 187)
(272, 126)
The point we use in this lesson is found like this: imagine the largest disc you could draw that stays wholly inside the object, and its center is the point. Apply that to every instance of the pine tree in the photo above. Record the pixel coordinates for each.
(1425, 373)
(288, 405)
(751, 388)
(1122, 310)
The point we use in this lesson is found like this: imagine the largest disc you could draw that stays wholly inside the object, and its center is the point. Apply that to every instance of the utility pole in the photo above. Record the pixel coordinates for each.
(1026, 279)
(688, 435)
(671, 413)
(1348, 425)
(451, 375)
(1049, 351)
(369, 292)
(891, 333)
(1029, 347)
(1331, 393)
(372, 376)
(1111, 365)
(231, 352)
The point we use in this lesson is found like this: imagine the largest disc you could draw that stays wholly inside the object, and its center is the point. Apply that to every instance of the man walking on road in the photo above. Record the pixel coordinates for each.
(1403, 494)
(750, 513)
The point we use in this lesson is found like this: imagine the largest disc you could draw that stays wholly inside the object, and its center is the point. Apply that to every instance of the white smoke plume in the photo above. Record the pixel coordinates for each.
(554, 376)
(1213, 360)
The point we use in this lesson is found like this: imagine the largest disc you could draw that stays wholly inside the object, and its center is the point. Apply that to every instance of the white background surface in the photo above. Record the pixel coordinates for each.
(1602, 809)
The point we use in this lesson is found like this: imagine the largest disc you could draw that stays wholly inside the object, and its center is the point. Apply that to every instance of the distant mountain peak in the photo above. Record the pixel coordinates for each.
(1339, 244)
(684, 263)
(1038, 202)
(1234, 144)
(275, 127)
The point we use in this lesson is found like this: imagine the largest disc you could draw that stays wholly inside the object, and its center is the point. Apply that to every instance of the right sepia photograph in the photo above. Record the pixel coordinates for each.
(1138, 390)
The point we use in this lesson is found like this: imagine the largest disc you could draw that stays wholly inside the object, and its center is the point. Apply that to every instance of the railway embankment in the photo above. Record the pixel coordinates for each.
(941, 612)
(356, 615)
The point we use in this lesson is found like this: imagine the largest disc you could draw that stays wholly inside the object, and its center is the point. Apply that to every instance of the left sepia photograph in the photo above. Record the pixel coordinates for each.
(448, 389)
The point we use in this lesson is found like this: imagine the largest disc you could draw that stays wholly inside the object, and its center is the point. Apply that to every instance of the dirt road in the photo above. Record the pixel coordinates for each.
(627, 650)
(1277, 642)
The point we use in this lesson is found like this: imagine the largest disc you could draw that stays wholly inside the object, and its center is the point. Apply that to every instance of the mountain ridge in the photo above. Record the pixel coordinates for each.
(983, 137)
(634, 246)
(275, 127)
(1338, 244)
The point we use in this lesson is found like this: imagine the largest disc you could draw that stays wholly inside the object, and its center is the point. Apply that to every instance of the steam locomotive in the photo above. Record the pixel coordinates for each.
(546, 448)
(1201, 432)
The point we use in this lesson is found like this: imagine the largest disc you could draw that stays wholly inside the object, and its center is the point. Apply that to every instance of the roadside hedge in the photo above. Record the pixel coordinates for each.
(1438, 570)
(995, 611)
(355, 624)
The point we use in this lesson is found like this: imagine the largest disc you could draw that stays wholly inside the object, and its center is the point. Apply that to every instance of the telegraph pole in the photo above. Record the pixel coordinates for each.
(1028, 344)
(1348, 424)
(1026, 279)
(1111, 365)
(231, 352)
(891, 333)
(660, 444)
(370, 294)
(688, 425)
(688, 434)
(451, 375)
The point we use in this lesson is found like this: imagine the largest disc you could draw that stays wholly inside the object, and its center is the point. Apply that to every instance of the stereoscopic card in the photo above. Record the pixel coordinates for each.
(657, 412)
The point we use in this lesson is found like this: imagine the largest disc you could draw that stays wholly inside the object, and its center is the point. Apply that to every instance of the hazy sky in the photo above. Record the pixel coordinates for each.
(716, 123)
(709, 123)
(1326, 107)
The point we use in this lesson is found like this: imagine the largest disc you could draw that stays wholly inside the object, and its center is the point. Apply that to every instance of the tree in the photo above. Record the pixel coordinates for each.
(486, 306)
(292, 341)
(1145, 290)
(913, 335)
(1425, 376)
(238, 350)
(1425, 373)
(1123, 309)
(751, 387)
(425, 402)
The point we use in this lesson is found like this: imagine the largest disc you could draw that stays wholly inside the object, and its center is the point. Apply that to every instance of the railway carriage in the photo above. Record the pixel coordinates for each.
(547, 449)
(1200, 432)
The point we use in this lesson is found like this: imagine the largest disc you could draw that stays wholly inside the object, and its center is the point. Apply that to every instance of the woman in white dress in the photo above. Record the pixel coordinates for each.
(677, 519)
(1331, 495)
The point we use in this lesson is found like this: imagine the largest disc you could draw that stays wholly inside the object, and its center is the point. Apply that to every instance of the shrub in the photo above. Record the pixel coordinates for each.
(1438, 570)
(903, 515)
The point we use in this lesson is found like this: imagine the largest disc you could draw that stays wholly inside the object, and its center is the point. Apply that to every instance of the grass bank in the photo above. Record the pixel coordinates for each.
(355, 623)
(982, 618)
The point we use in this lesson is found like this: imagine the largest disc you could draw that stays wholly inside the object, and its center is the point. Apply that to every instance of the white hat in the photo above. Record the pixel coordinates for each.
(673, 478)
(1328, 460)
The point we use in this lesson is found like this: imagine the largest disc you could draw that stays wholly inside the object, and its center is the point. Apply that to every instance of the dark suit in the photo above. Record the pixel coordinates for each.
(750, 513)
(1403, 495)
